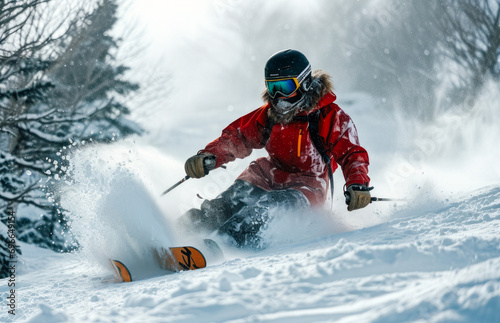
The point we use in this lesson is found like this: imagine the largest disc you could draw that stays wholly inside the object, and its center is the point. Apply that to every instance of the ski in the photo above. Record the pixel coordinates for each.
(173, 259)
(180, 258)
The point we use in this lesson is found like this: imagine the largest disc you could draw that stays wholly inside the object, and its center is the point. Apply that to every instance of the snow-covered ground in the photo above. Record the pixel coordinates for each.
(437, 265)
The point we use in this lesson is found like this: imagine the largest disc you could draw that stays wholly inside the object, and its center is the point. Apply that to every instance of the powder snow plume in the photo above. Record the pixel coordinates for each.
(113, 213)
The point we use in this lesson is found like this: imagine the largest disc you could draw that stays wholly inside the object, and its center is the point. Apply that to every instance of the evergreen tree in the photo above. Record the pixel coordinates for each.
(54, 92)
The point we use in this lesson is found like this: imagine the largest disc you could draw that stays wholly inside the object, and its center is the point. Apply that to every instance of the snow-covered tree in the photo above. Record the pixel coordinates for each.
(411, 52)
(471, 30)
(58, 87)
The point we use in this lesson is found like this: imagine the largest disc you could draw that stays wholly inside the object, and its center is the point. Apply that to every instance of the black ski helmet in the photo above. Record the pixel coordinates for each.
(288, 63)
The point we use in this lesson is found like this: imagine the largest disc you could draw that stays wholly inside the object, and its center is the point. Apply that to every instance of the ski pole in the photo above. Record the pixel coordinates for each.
(176, 184)
(208, 165)
(384, 199)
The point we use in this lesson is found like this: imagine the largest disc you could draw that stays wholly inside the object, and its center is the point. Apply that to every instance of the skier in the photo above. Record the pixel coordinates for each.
(306, 135)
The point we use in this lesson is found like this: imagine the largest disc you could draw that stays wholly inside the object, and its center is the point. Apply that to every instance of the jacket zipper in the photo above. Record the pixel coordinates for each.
(299, 143)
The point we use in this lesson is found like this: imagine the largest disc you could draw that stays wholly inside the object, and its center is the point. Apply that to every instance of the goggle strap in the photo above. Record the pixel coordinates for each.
(301, 77)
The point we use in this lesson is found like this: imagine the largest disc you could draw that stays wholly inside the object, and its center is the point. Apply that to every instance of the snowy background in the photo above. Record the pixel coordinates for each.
(433, 259)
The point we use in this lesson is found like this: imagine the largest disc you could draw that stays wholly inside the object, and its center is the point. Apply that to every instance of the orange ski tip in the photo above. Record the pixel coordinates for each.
(122, 271)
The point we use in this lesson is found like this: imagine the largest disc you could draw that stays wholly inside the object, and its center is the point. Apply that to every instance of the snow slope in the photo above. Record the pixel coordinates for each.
(440, 265)
(434, 260)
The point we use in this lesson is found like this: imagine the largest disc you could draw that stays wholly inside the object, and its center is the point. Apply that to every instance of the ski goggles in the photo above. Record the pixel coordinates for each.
(286, 86)
(282, 87)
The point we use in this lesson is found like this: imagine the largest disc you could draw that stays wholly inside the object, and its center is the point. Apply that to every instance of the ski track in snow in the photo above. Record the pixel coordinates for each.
(440, 266)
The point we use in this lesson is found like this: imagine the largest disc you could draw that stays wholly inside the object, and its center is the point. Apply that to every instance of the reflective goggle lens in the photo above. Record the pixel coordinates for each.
(284, 87)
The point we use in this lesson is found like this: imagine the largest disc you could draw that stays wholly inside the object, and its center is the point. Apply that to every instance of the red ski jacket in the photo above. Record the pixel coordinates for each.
(293, 161)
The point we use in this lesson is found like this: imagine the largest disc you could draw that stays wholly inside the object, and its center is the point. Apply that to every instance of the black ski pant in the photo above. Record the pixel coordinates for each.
(242, 212)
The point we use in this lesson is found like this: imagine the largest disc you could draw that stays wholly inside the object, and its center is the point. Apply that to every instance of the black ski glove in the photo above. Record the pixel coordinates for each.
(199, 165)
(357, 196)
